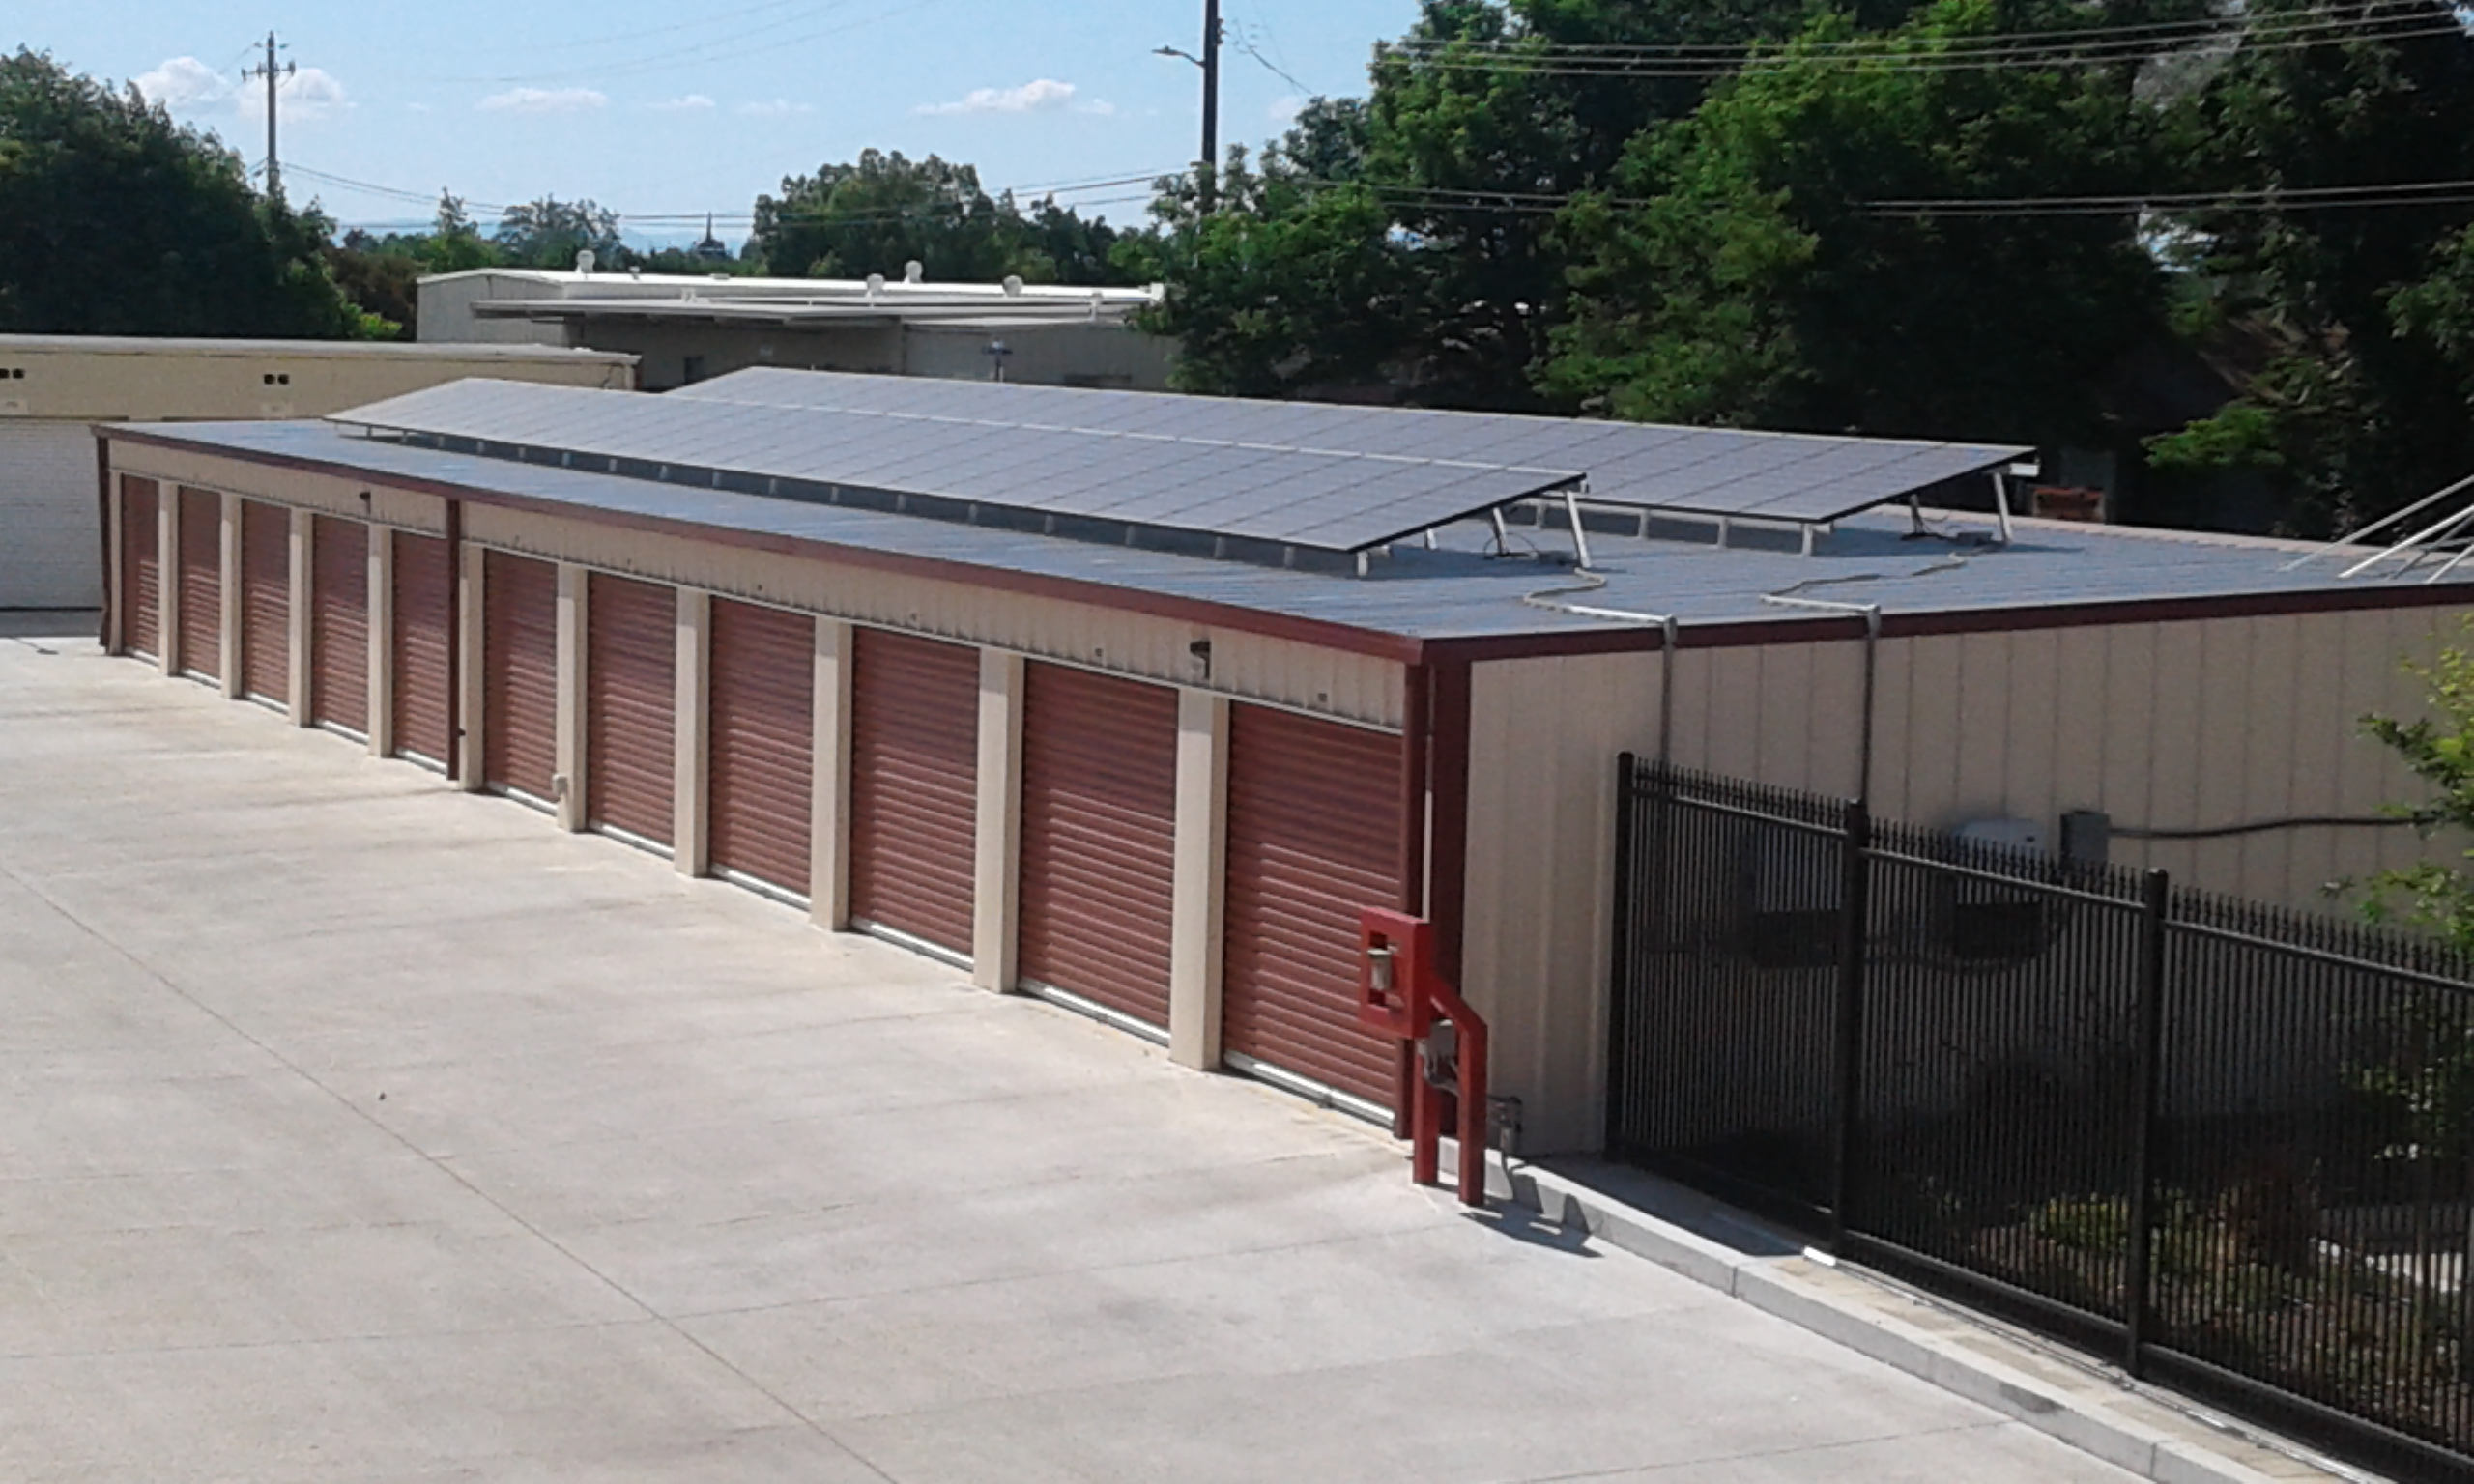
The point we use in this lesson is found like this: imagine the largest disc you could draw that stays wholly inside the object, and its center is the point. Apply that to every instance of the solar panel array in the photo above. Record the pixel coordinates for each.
(1330, 499)
(1808, 478)
(1286, 474)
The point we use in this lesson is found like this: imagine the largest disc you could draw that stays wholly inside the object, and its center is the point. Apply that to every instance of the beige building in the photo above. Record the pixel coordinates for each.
(688, 329)
(52, 388)
(1133, 700)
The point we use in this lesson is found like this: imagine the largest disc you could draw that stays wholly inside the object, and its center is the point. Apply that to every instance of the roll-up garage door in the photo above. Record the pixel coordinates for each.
(425, 607)
(519, 675)
(201, 613)
(339, 624)
(630, 682)
(1313, 835)
(48, 515)
(141, 570)
(762, 774)
(914, 781)
(266, 601)
(1098, 837)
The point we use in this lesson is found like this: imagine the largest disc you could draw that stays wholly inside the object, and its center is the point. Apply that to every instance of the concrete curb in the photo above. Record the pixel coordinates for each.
(2106, 1419)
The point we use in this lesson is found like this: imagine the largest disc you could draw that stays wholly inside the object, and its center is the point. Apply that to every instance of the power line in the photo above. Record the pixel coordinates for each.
(2151, 33)
(1931, 59)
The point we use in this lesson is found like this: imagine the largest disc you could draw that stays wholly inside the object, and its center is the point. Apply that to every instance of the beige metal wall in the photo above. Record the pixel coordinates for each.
(2163, 726)
(113, 379)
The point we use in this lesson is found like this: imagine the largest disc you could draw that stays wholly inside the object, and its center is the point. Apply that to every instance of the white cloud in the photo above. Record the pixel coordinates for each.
(1047, 94)
(1283, 109)
(544, 100)
(191, 86)
(184, 82)
(692, 102)
(779, 108)
(311, 93)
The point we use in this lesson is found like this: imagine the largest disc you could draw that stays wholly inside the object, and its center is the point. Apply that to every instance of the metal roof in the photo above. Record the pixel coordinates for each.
(1458, 591)
(1792, 477)
(927, 447)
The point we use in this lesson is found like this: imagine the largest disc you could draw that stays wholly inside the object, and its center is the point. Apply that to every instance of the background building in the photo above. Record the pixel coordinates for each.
(55, 387)
(689, 330)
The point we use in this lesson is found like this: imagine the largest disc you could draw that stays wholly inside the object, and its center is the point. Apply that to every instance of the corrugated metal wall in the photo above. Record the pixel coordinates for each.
(2161, 725)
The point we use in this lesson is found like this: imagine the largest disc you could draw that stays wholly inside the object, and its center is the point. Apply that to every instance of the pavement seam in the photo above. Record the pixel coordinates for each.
(358, 1112)
(1799, 1451)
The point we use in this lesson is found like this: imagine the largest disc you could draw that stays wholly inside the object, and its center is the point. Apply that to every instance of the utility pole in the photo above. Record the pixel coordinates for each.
(1209, 62)
(1210, 102)
(274, 75)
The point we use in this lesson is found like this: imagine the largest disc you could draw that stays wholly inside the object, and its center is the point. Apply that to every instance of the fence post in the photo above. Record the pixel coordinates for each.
(1620, 975)
(1856, 918)
(2155, 898)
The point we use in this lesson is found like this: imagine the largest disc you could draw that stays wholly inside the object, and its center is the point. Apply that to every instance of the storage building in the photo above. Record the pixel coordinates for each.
(54, 386)
(1131, 699)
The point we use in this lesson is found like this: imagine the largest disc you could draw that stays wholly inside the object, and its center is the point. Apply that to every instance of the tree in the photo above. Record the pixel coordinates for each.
(885, 212)
(549, 233)
(2367, 399)
(1289, 288)
(1740, 274)
(115, 220)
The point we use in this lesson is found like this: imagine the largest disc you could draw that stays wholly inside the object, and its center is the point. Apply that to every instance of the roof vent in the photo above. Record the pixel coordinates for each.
(584, 262)
(913, 272)
(876, 286)
(1012, 284)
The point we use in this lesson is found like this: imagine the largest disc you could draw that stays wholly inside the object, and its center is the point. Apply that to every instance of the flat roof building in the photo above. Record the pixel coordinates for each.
(688, 329)
(1131, 700)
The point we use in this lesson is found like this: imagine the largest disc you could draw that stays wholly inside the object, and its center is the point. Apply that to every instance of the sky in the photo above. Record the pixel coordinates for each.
(664, 112)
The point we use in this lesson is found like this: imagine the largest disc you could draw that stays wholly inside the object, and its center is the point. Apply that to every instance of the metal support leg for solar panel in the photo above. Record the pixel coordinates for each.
(1502, 537)
(1580, 539)
(2002, 504)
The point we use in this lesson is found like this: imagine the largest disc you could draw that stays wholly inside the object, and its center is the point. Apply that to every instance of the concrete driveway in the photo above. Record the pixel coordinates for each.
(352, 1128)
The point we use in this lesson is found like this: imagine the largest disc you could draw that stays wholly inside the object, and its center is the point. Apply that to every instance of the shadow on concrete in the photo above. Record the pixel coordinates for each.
(1526, 1223)
(1710, 1219)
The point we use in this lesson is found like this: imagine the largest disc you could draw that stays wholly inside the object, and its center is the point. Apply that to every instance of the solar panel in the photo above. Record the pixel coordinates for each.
(1332, 499)
(1797, 477)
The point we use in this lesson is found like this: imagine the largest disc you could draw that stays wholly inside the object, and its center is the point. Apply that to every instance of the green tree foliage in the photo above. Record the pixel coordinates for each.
(1743, 277)
(115, 220)
(1288, 288)
(2368, 399)
(549, 233)
(884, 212)
(2438, 749)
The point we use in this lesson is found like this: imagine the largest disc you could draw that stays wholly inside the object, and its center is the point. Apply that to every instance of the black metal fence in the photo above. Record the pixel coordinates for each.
(2229, 1144)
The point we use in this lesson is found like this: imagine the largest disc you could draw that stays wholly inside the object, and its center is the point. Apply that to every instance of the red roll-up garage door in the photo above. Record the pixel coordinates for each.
(914, 781)
(339, 624)
(200, 633)
(1313, 835)
(1098, 837)
(762, 774)
(141, 570)
(519, 675)
(424, 606)
(630, 683)
(266, 601)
